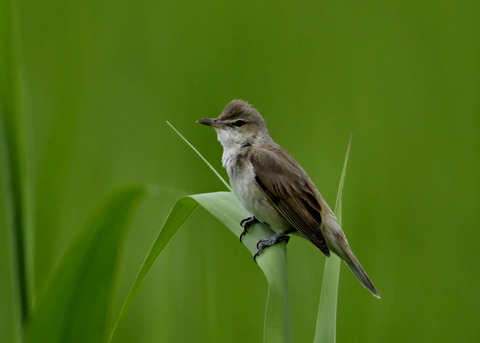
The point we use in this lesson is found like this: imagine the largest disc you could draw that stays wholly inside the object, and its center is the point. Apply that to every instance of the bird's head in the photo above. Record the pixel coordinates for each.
(239, 124)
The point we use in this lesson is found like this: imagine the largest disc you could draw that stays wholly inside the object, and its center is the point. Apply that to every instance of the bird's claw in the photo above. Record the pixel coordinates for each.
(268, 242)
(246, 223)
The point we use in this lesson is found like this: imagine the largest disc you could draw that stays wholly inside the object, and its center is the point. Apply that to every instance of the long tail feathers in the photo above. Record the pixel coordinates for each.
(349, 257)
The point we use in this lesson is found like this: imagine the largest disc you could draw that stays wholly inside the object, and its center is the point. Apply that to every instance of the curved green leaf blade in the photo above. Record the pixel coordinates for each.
(226, 208)
(181, 210)
(327, 312)
(76, 306)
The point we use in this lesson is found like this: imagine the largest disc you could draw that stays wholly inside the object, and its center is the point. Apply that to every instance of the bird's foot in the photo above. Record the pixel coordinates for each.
(268, 242)
(246, 223)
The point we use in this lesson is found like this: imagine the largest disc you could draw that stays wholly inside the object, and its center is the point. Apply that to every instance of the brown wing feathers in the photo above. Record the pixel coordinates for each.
(291, 191)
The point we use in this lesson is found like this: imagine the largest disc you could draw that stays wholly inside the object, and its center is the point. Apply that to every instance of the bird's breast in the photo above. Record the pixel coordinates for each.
(242, 179)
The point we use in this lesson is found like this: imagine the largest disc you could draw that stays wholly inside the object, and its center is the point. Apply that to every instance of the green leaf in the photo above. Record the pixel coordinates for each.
(181, 210)
(77, 303)
(10, 310)
(327, 311)
(226, 208)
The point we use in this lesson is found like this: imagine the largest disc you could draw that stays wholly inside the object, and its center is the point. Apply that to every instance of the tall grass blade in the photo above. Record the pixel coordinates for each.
(226, 208)
(327, 312)
(77, 303)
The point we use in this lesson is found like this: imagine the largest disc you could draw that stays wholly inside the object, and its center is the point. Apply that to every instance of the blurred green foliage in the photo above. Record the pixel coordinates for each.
(94, 83)
(76, 305)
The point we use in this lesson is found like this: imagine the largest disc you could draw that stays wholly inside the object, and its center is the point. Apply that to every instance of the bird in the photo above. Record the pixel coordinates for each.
(275, 189)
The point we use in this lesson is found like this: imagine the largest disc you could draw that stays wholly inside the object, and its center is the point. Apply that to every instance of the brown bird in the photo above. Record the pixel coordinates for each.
(273, 187)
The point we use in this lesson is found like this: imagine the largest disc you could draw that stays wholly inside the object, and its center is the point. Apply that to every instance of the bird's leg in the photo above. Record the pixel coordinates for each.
(268, 242)
(246, 223)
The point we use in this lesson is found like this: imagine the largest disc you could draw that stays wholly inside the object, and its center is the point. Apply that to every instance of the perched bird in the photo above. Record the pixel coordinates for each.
(273, 187)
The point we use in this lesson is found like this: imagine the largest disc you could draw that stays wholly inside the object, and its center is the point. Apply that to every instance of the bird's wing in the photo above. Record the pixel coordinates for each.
(291, 191)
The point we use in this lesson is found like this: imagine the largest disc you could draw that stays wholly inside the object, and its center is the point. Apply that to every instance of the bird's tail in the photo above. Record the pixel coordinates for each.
(346, 254)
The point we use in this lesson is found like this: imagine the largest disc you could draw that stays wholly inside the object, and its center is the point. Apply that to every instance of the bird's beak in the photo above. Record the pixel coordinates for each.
(211, 122)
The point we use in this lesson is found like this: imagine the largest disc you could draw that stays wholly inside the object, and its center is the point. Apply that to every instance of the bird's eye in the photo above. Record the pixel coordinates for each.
(239, 123)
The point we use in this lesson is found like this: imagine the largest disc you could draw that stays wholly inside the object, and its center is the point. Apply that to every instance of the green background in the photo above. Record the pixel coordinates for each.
(99, 79)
